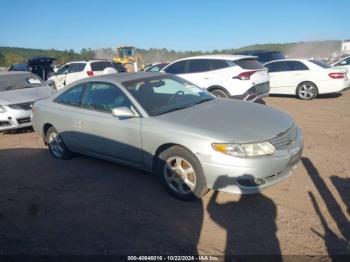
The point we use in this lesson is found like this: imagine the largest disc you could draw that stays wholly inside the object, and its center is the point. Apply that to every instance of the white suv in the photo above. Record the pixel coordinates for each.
(73, 71)
(229, 76)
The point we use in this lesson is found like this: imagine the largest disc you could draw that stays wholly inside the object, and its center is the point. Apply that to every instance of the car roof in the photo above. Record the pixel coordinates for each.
(89, 61)
(289, 59)
(122, 77)
(221, 57)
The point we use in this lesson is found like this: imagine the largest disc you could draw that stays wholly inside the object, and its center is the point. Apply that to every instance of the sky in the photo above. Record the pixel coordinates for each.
(177, 24)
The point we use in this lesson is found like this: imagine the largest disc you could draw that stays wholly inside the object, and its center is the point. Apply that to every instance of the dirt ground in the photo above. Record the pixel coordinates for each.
(89, 206)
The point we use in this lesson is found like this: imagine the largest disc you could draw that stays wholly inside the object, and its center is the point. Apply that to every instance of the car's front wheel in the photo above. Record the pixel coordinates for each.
(181, 174)
(56, 145)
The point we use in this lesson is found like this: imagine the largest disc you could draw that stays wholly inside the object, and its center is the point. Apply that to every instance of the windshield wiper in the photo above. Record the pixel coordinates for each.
(202, 101)
(171, 110)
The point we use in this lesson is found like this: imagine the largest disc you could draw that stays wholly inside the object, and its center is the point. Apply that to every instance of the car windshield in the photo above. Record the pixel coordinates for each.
(19, 81)
(320, 63)
(164, 94)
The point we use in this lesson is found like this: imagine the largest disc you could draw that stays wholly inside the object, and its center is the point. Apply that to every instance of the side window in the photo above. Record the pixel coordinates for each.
(199, 66)
(72, 96)
(218, 64)
(76, 67)
(63, 70)
(104, 97)
(177, 68)
(275, 67)
(297, 66)
(286, 66)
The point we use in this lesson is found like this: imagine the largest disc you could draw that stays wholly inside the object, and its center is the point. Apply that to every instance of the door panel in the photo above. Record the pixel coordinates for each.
(105, 135)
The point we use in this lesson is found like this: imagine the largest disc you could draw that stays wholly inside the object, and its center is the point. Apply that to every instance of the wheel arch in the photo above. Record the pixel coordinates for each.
(211, 88)
(46, 127)
(161, 149)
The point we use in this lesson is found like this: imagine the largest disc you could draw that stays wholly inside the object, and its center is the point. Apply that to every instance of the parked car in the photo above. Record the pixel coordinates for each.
(39, 65)
(343, 62)
(305, 78)
(155, 67)
(166, 125)
(227, 76)
(18, 92)
(73, 71)
(263, 56)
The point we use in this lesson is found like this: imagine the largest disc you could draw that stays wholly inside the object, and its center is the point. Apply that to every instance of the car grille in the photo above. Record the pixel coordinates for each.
(285, 139)
(23, 106)
(4, 123)
(23, 120)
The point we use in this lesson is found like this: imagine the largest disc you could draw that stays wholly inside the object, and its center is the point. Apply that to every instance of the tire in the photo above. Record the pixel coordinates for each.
(56, 145)
(175, 163)
(307, 91)
(219, 93)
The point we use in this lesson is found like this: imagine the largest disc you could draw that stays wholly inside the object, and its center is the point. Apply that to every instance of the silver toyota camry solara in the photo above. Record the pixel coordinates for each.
(165, 125)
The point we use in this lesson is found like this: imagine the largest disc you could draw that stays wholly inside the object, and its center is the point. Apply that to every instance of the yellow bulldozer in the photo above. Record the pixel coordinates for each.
(127, 56)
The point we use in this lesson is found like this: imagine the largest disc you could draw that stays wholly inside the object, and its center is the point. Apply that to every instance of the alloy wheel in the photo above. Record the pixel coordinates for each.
(307, 91)
(180, 175)
(56, 145)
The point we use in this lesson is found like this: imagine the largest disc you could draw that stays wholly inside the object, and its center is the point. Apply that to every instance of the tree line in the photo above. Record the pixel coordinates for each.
(11, 55)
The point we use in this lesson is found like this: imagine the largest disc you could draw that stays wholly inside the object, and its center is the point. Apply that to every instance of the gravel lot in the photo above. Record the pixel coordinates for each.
(90, 206)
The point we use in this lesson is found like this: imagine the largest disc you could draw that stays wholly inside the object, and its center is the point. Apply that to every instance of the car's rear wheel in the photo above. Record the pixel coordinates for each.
(219, 93)
(56, 145)
(307, 91)
(181, 174)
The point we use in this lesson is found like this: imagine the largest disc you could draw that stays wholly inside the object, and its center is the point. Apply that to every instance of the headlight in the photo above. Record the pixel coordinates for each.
(2, 109)
(246, 150)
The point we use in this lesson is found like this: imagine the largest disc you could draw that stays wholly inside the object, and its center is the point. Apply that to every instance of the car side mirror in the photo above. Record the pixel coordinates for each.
(123, 112)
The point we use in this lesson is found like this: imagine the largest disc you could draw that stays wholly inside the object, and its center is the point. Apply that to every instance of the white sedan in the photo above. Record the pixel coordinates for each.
(305, 78)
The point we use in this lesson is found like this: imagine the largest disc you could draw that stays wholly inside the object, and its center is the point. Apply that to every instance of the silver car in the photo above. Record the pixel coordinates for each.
(18, 92)
(165, 125)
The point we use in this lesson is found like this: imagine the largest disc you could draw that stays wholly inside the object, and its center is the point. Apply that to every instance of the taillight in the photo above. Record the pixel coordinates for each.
(337, 75)
(245, 75)
(33, 109)
(90, 73)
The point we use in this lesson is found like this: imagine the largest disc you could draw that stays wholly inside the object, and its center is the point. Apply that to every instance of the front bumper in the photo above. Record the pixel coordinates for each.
(14, 119)
(251, 175)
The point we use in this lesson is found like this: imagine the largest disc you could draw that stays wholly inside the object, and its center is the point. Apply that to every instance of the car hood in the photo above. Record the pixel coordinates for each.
(226, 120)
(25, 95)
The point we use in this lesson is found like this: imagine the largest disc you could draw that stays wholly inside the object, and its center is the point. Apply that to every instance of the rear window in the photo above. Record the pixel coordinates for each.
(76, 67)
(320, 63)
(249, 64)
(100, 66)
(19, 81)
